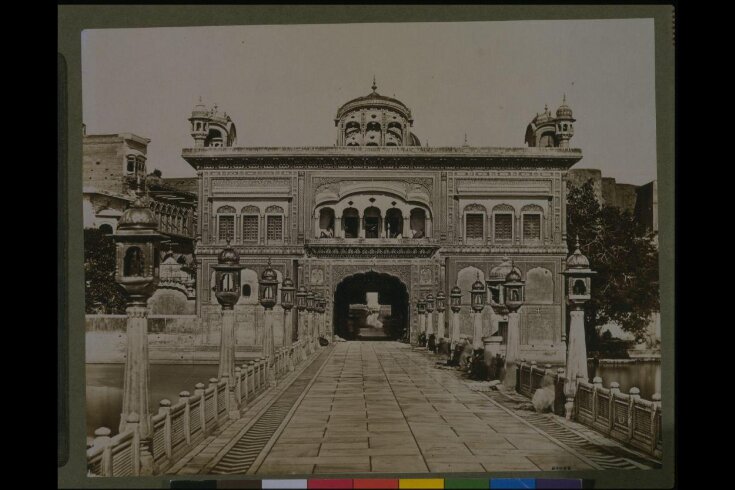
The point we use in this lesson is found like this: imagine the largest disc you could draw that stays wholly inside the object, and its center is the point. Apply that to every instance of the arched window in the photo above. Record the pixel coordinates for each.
(246, 291)
(579, 287)
(351, 223)
(532, 219)
(474, 222)
(326, 223)
(274, 224)
(393, 223)
(214, 138)
(250, 228)
(131, 164)
(106, 229)
(371, 219)
(225, 223)
(503, 223)
(418, 223)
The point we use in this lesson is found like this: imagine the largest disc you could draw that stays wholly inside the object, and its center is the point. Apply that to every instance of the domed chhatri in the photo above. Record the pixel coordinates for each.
(547, 130)
(137, 217)
(375, 120)
(578, 260)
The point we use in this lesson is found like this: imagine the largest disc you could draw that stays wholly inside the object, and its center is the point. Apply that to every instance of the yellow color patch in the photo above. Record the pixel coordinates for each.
(421, 483)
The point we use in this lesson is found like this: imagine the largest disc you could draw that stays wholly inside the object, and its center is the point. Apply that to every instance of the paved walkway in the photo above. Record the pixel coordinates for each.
(383, 407)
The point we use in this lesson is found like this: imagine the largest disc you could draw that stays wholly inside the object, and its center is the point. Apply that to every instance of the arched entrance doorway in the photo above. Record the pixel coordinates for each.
(371, 306)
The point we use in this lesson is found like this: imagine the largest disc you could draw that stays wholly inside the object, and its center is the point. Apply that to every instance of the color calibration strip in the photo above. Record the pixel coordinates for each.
(379, 483)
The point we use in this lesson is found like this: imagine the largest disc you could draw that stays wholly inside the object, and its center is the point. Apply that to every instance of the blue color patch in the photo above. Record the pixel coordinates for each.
(512, 483)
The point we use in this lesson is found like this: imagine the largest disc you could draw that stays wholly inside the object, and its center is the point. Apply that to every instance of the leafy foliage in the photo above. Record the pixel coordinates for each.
(102, 294)
(622, 251)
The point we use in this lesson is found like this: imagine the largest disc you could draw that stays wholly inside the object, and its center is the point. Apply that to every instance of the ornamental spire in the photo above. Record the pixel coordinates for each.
(375, 86)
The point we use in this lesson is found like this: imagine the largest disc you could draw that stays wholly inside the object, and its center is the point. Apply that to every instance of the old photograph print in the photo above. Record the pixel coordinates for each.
(400, 248)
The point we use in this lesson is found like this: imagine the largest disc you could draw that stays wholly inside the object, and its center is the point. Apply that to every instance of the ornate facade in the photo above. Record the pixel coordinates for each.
(422, 218)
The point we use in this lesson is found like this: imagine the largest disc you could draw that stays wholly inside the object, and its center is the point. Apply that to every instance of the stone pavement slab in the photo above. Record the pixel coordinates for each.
(383, 407)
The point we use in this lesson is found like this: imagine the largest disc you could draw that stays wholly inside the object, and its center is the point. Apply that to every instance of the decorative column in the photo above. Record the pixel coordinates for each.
(579, 282)
(338, 231)
(441, 306)
(287, 301)
(137, 256)
(429, 316)
(268, 290)
(323, 313)
(477, 293)
(455, 296)
(227, 292)
(513, 291)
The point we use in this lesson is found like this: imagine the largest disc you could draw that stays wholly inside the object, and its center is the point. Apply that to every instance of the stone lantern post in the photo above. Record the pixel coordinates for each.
(477, 293)
(455, 298)
(441, 306)
(310, 317)
(429, 316)
(579, 284)
(227, 292)
(421, 310)
(268, 291)
(513, 293)
(287, 302)
(322, 307)
(301, 306)
(137, 271)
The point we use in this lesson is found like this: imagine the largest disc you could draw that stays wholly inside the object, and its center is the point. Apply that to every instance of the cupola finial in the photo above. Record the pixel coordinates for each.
(375, 85)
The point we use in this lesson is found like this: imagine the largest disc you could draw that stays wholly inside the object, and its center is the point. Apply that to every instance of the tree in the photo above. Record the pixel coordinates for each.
(101, 293)
(623, 253)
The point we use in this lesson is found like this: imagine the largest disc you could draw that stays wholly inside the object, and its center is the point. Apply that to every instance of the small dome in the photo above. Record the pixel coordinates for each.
(302, 289)
(564, 111)
(228, 256)
(513, 276)
(288, 283)
(199, 110)
(455, 291)
(544, 117)
(500, 272)
(269, 274)
(578, 260)
(477, 285)
(137, 216)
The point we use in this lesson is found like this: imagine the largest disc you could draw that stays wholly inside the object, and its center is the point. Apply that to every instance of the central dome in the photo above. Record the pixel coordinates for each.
(375, 120)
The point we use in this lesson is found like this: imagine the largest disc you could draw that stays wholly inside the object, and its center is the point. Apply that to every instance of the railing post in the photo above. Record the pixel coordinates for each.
(614, 390)
(635, 394)
(184, 397)
(213, 384)
(519, 375)
(596, 384)
(238, 384)
(102, 439)
(655, 408)
(133, 425)
(199, 390)
(164, 407)
(559, 392)
(246, 381)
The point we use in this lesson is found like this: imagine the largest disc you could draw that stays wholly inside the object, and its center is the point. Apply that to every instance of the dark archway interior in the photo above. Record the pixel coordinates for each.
(361, 323)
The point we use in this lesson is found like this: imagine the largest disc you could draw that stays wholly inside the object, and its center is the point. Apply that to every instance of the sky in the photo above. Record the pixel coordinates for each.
(282, 85)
